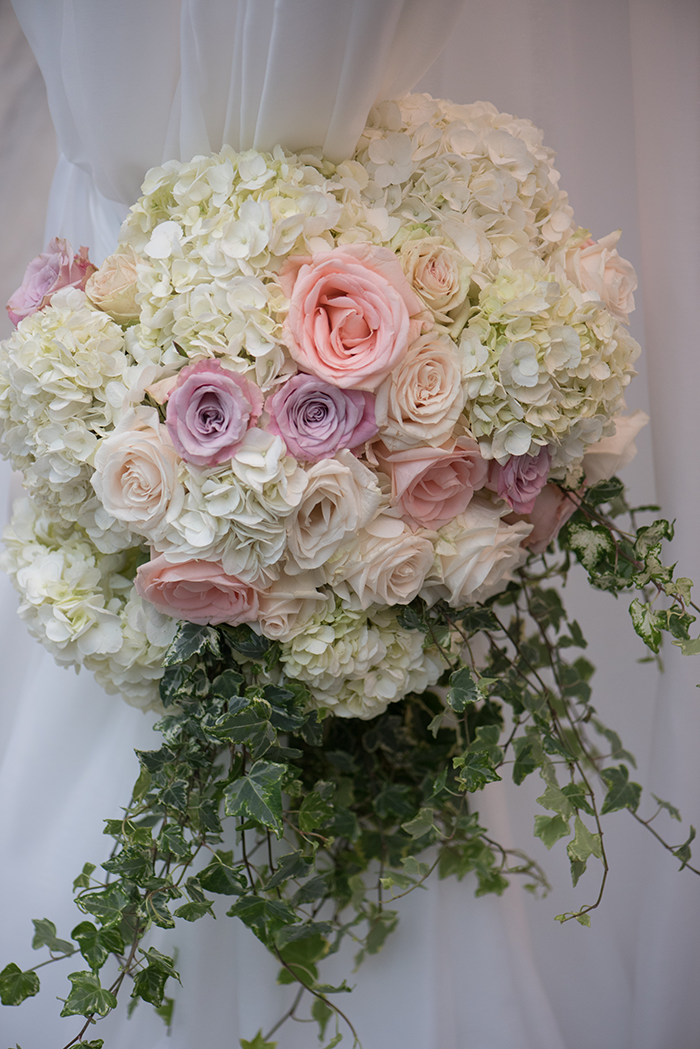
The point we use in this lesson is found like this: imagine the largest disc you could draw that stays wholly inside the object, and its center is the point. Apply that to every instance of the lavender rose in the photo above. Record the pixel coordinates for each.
(522, 478)
(56, 268)
(316, 419)
(209, 411)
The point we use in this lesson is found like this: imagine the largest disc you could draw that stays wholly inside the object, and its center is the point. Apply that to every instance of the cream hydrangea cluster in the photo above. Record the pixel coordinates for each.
(356, 663)
(81, 604)
(312, 393)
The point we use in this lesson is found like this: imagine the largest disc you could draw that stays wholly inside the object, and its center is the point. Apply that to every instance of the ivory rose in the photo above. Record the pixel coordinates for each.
(432, 485)
(604, 458)
(422, 399)
(477, 553)
(596, 266)
(521, 479)
(112, 288)
(341, 497)
(352, 314)
(388, 564)
(198, 591)
(56, 268)
(136, 473)
(209, 412)
(437, 272)
(288, 604)
(315, 419)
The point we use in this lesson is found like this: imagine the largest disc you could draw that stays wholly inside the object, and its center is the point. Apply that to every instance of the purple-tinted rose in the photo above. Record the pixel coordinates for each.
(522, 478)
(57, 268)
(209, 411)
(316, 419)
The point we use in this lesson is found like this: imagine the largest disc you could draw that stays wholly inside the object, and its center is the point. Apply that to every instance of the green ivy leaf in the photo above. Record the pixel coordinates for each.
(191, 640)
(584, 843)
(97, 944)
(394, 799)
(462, 690)
(622, 793)
(683, 853)
(671, 809)
(258, 795)
(45, 936)
(475, 770)
(314, 812)
(193, 911)
(421, 824)
(87, 996)
(222, 877)
(558, 801)
(83, 879)
(647, 623)
(590, 543)
(550, 829)
(321, 1013)
(16, 985)
(257, 1043)
(264, 917)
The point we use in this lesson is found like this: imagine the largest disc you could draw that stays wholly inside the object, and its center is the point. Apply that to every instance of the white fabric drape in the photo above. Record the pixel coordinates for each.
(616, 86)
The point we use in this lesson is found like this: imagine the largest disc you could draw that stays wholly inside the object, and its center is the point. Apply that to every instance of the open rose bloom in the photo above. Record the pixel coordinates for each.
(299, 397)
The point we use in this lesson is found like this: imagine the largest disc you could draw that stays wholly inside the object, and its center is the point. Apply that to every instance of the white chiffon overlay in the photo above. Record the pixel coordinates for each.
(616, 86)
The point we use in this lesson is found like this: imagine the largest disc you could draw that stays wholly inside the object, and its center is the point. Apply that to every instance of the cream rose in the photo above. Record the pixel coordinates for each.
(596, 266)
(477, 554)
(437, 272)
(388, 564)
(420, 402)
(607, 456)
(341, 497)
(287, 606)
(136, 473)
(113, 287)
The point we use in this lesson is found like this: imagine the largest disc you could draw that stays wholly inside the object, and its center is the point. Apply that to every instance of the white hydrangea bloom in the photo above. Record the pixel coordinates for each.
(81, 605)
(357, 662)
(64, 374)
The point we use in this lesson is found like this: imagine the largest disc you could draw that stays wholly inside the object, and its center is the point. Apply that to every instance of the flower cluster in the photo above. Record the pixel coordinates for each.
(307, 394)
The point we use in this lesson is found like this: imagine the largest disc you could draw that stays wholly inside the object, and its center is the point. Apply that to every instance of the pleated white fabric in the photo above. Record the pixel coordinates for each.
(616, 85)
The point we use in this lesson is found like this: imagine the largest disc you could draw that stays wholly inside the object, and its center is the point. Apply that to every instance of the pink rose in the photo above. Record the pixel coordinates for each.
(57, 268)
(198, 591)
(316, 419)
(431, 486)
(351, 314)
(553, 508)
(598, 267)
(522, 478)
(209, 411)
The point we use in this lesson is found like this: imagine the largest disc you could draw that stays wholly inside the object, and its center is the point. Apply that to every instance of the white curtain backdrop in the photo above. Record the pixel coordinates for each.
(616, 86)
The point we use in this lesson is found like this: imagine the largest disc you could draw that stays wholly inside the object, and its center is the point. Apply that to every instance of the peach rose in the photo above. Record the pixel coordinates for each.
(422, 399)
(113, 287)
(604, 458)
(598, 267)
(432, 485)
(553, 508)
(198, 591)
(351, 314)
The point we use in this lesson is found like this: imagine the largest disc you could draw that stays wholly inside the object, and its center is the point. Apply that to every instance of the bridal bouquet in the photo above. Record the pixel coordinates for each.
(288, 454)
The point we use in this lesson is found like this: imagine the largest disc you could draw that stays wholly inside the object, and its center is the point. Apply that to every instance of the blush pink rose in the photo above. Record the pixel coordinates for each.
(209, 411)
(198, 591)
(522, 478)
(553, 508)
(596, 266)
(352, 314)
(431, 486)
(316, 419)
(57, 268)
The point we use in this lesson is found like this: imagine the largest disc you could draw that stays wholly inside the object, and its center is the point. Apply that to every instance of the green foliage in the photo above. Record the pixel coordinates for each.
(355, 804)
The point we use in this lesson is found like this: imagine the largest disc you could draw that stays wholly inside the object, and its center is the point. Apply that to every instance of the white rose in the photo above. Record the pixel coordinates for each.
(604, 458)
(420, 402)
(341, 497)
(477, 554)
(388, 564)
(136, 472)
